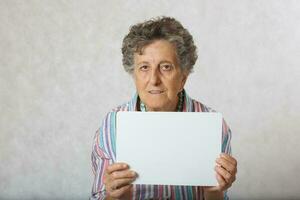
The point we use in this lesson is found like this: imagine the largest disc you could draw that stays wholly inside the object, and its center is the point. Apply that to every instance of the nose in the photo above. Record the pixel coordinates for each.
(155, 77)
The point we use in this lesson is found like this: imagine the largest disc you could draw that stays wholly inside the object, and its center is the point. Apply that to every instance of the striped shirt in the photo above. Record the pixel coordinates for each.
(104, 154)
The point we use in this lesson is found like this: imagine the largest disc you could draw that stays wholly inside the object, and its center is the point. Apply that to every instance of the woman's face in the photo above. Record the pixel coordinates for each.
(158, 77)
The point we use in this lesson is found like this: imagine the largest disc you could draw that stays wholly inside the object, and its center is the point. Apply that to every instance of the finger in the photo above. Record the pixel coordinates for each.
(226, 164)
(233, 179)
(228, 157)
(116, 167)
(118, 183)
(224, 173)
(123, 174)
(223, 185)
(119, 192)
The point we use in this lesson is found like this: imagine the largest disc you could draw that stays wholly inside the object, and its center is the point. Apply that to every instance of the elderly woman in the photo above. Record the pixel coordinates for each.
(160, 55)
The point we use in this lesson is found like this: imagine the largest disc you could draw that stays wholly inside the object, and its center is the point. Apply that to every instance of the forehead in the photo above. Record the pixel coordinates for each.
(156, 51)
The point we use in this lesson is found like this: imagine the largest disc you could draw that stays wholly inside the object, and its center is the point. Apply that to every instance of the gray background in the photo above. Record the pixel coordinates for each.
(61, 71)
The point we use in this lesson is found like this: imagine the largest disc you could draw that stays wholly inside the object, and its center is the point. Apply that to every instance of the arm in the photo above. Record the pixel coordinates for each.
(111, 180)
(226, 169)
(99, 162)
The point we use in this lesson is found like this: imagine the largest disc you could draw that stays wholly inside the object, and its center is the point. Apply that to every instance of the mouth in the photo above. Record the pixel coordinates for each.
(155, 91)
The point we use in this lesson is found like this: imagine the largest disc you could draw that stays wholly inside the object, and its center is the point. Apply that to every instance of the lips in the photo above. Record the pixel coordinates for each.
(155, 91)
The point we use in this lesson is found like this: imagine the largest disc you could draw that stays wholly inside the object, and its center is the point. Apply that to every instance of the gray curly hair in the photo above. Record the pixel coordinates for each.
(166, 28)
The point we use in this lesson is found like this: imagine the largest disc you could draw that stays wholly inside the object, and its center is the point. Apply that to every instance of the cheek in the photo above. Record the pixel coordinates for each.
(174, 85)
(141, 76)
(140, 82)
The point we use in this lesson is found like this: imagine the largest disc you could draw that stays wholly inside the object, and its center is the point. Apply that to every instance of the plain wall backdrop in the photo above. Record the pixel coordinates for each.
(61, 72)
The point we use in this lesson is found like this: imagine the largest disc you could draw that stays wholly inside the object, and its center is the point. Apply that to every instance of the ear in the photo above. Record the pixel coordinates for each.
(183, 80)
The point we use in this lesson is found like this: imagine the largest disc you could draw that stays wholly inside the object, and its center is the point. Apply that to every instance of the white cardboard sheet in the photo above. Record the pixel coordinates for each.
(170, 148)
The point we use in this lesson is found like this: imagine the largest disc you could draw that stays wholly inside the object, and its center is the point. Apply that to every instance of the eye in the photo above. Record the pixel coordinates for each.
(144, 67)
(166, 67)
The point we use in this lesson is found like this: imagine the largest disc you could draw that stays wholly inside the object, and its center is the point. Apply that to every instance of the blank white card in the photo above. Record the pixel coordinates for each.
(170, 148)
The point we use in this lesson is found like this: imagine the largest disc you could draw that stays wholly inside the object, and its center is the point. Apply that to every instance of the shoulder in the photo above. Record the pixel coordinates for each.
(200, 107)
(123, 107)
(104, 139)
(127, 106)
(109, 119)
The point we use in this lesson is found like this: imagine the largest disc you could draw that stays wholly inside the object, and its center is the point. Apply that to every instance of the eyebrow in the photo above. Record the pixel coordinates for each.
(144, 62)
(166, 61)
(163, 61)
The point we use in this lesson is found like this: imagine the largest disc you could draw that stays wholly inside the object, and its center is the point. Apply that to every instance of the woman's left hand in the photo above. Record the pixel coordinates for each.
(226, 169)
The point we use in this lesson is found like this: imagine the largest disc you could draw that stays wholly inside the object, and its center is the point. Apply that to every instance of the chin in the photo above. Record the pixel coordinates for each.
(155, 102)
(156, 106)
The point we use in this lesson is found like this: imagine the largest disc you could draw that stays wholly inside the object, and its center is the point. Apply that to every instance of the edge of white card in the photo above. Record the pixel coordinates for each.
(189, 143)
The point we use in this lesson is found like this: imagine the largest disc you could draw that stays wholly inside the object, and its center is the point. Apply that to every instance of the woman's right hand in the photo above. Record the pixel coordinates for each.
(117, 180)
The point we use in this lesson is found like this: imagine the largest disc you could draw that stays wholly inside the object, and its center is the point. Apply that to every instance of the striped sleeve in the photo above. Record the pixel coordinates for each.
(101, 157)
(226, 132)
(226, 146)
(226, 138)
